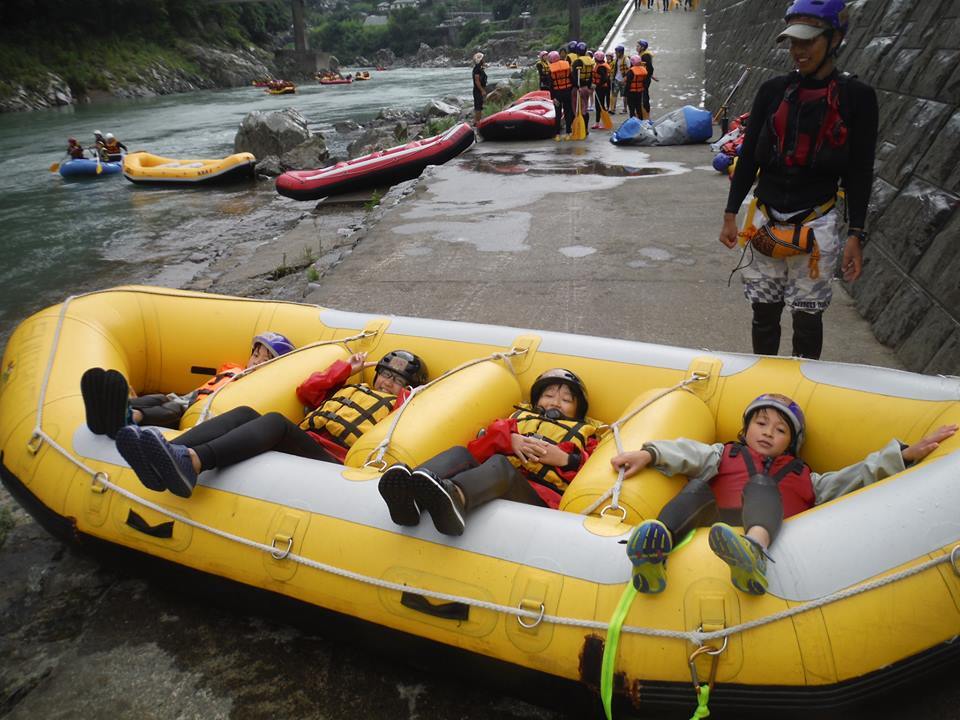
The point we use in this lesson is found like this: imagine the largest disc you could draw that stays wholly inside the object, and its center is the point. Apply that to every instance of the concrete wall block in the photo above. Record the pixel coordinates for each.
(895, 16)
(951, 88)
(895, 68)
(947, 359)
(932, 73)
(940, 165)
(903, 314)
(881, 195)
(914, 219)
(938, 271)
(922, 345)
(880, 281)
(912, 126)
(867, 63)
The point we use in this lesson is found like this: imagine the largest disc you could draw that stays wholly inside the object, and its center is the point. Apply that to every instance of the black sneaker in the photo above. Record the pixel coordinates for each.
(130, 447)
(105, 394)
(396, 489)
(172, 462)
(441, 499)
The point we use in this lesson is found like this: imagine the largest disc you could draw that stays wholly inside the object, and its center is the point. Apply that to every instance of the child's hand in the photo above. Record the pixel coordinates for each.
(632, 462)
(356, 362)
(920, 449)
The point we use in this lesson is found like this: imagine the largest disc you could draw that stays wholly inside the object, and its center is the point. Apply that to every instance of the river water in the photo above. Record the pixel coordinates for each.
(61, 237)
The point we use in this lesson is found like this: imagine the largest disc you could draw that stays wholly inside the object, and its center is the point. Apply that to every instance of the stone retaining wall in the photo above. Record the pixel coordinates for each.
(909, 52)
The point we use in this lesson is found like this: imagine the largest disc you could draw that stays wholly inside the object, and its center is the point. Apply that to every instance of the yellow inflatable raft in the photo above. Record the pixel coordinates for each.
(864, 590)
(144, 168)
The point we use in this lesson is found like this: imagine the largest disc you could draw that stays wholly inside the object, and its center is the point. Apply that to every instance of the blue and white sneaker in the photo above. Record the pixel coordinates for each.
(747, 560)
(648, 547)
(130, 446)
(172, 462)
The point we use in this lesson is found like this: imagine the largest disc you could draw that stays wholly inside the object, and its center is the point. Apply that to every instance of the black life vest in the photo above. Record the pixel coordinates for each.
(806, 130)
(351, 411)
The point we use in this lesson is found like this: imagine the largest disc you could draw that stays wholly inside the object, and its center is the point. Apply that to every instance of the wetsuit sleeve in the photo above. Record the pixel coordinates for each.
(875, 467)
(746, 172)
(494, 441)
(687, 457)
(858, 179)
(313, 391)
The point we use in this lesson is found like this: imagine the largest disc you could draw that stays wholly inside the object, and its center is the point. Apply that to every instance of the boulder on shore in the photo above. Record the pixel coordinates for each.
(271, 133)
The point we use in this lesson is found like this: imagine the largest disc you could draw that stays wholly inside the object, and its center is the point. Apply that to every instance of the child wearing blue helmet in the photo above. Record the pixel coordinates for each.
(754, 482)
(110, 404)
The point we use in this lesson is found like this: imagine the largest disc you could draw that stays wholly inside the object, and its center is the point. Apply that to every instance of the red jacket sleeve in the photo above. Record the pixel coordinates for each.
(569, 447)
(494, 441)
(313, 391)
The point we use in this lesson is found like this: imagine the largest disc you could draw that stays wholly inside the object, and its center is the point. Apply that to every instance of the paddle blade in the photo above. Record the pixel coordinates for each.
(605, 119)
(54, 167)
(579, 129)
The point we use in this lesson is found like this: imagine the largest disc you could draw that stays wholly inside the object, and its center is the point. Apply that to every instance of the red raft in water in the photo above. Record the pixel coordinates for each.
(378, 169)
(532, 117)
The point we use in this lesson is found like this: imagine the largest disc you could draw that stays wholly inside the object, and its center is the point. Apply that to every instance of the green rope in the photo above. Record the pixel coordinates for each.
(703, 697)
(611, 646)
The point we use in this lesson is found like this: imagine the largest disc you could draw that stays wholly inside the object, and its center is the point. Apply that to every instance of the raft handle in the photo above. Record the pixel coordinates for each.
(955, 559)
(446, 611)
(623, 512)
(35, 443)
(535, 622)
(281, 554)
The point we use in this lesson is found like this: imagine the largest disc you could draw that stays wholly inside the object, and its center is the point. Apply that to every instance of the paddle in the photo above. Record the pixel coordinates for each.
(578, 130)
(605, 119)
(96, 151)
(54, 167)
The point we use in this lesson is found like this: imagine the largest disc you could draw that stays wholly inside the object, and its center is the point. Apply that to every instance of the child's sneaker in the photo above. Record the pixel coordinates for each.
(104, 395)
(441, 499)
(648, 547)
(747, 561)
(130, 447)
(595, 126)
(396, 489)
(172, 462)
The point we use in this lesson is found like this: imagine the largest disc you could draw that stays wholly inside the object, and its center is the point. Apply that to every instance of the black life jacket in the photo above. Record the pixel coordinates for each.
(806, 130)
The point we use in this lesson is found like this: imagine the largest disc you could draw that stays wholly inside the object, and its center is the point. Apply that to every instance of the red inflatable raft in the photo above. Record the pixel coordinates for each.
(378, 169)
(532, 117)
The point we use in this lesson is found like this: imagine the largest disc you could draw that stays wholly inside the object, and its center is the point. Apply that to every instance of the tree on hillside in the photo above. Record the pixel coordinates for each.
(574, 10)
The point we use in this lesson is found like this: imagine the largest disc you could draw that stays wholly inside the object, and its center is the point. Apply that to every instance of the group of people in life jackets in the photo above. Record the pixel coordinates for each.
(580, 79)
(105, 146)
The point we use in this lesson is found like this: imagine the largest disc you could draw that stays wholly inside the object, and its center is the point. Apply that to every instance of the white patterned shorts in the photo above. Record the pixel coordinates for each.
(787, 280)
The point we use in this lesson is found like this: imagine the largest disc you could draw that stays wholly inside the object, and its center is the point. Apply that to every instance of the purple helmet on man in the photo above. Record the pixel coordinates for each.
(808, 18)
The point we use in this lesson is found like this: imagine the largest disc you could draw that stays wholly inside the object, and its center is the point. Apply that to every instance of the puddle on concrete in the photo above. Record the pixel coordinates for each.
(638, 264)
(577, 251)
(655, 253)
(515, 165)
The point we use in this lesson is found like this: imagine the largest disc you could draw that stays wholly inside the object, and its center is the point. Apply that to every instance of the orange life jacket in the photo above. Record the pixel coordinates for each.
(637, 79)
(597, 79)
(560, 71)
(225, 373)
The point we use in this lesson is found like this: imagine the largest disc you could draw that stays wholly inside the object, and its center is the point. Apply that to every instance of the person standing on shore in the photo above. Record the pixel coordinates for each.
(560, 91)
(646, 58)
(620, 65)
(601, 84)
(808, 130)
(479, 87)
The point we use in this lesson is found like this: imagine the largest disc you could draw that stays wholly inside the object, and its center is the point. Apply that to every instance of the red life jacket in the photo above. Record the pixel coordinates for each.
(560, 70)
(806, 130)
(740, 462)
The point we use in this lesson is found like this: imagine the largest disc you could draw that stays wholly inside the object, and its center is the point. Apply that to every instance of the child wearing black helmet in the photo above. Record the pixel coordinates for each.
(342, 412)
(754, 482)
(110, 404)
(529, 457)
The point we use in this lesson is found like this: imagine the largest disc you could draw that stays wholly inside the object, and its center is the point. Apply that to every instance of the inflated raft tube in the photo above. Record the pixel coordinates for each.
(144, 168)
(84, 167)
(864, 590)
(378, 169)
(532, 117)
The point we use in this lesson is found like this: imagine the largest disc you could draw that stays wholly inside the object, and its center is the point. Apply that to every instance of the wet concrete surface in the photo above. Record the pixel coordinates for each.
(577, 237)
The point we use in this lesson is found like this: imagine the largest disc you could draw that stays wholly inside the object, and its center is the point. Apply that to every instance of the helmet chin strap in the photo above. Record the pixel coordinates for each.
(829, 55)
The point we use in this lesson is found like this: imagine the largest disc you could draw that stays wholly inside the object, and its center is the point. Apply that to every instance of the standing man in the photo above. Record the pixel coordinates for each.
(810, 130)
(479, 87)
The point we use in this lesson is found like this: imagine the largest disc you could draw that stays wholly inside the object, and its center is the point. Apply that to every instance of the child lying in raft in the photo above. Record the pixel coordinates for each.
(342, 412)
(754, 482)
(529, 457)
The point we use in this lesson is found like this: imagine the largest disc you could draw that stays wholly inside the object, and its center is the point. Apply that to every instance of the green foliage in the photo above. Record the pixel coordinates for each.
(435, 126)
(374, 200)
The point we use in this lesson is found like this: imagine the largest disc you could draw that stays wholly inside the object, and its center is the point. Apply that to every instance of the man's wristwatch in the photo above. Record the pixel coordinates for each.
(859, 233)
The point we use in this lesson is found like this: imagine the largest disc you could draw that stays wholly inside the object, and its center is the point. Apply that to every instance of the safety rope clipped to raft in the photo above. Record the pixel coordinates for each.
(375, 457)
(614, 491)
(695, 637)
